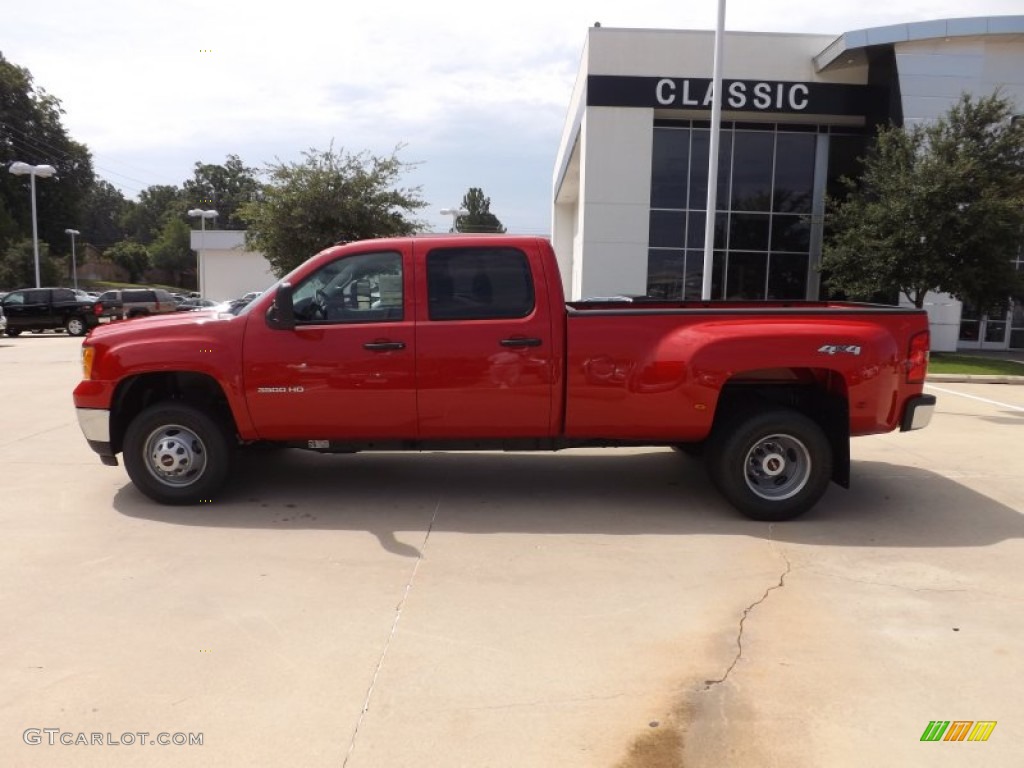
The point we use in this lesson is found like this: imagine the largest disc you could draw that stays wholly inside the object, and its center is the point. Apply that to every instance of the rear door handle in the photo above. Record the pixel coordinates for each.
(383, 346)
(520, 342)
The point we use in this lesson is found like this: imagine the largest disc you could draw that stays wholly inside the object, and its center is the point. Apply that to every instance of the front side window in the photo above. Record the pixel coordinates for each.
(365, 288)
(478, 284)
(15, 299)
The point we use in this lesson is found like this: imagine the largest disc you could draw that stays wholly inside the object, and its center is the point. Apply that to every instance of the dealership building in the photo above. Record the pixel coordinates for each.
(630, 180)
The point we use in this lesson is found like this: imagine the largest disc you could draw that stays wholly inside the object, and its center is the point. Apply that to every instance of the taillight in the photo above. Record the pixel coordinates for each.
(917, 357)
(97, 309)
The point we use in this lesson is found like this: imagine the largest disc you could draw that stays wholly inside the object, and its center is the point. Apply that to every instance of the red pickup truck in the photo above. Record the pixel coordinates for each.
(464, 342)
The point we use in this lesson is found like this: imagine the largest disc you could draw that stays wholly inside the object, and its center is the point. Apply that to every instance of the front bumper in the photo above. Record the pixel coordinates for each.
(917, 413)
(95, 425)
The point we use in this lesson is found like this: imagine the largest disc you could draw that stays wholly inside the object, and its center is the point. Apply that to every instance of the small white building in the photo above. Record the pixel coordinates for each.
(226, 269)
(630, 178)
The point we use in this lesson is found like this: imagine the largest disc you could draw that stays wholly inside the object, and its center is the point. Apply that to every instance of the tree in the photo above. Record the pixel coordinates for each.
(223, 188)
(146, 217)
(479, 218)
(18, 266)
(103, 213)
(171, 251)
(32, 132)
(131, 256)
(330, 196)
(939, 207)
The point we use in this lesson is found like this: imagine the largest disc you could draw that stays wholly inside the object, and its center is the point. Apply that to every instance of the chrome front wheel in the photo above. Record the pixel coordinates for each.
(177, 454)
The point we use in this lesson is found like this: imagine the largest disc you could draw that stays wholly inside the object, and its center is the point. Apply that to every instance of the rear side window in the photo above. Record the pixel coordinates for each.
(63, 294)
(138, 296)
(108, 296)
(478, 284)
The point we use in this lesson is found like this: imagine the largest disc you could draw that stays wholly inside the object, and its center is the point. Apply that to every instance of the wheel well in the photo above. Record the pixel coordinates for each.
(818, 393)
(139, 392)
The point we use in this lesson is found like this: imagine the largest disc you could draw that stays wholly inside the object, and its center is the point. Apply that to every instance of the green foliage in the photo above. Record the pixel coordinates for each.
(938, 207)
(33, 133)
(224, 188)
(171, 250)
(944, 362)
(18, 269)
(329, 197)
(103, 213)
(146, 217)
(479, 218)
(131, 256)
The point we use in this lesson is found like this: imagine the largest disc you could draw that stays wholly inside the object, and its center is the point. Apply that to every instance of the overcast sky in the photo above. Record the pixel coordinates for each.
(476, 91)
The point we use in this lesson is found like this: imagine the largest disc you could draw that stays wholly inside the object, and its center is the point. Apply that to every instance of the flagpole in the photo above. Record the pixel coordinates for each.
(716, 126)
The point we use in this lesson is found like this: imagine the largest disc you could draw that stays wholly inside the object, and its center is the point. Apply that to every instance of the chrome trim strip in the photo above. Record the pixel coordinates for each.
(922, 416)
(95, 424)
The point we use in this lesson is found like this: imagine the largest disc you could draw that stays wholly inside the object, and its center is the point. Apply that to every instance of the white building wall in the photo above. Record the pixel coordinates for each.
(690, 53)
(226, 269)
(615, 195)
(943, 320)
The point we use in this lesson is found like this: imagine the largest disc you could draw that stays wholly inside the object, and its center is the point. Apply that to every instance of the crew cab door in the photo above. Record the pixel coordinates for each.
(483, 341)
(346, 371)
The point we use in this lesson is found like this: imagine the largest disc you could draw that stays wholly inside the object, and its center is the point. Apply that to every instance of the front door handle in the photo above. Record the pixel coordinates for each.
(383, 346)
(520, 342)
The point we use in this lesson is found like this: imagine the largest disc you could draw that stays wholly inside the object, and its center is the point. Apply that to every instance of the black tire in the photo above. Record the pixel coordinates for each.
(12, 332)
(773, 465)
(76, 326)
(176, 454)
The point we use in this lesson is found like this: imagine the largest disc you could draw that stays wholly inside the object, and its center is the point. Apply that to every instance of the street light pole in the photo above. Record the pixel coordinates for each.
(454, 213)
(46, 171)
(203, 216)
(74, 264)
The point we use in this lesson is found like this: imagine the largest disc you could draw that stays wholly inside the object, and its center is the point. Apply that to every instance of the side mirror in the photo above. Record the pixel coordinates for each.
(281, 314)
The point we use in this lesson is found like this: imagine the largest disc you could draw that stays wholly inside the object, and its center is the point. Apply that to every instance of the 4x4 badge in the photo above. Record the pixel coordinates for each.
(836, 349)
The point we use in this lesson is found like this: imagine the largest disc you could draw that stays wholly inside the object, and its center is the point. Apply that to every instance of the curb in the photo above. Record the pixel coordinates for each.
(973, 378)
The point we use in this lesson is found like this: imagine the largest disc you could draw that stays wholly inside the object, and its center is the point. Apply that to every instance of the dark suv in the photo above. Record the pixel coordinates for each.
(139, 302)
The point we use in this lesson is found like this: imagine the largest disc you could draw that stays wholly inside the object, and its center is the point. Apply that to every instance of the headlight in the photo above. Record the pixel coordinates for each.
(88, 354)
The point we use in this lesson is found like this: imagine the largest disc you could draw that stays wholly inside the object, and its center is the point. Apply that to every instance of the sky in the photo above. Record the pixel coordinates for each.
(474, 93)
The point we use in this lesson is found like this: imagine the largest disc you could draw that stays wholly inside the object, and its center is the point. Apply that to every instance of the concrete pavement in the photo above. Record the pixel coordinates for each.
(591, 608)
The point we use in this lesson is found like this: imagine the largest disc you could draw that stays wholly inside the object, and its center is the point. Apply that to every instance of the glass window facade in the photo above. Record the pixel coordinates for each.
(766, 191)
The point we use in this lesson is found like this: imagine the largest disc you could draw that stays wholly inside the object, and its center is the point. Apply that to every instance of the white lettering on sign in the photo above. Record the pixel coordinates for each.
(801, 103)
(762, 95)
(660, 92)
(739, 94)
(687, 101)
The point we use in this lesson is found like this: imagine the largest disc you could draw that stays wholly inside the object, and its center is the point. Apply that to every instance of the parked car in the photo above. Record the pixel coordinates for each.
(139, 302)
(188, 305)
(3, 319)
(36, 309)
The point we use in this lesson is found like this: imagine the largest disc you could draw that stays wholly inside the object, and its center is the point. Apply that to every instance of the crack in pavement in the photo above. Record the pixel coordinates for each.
(746, 612)
(391, 636)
